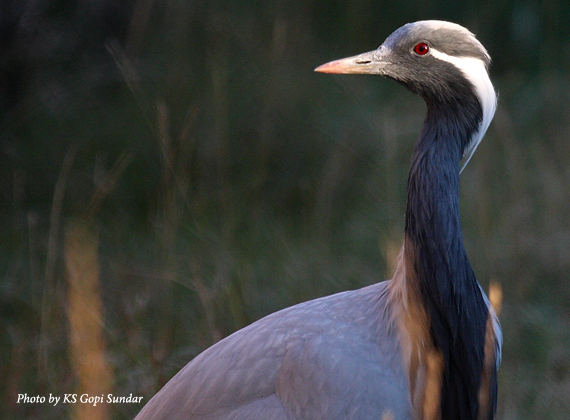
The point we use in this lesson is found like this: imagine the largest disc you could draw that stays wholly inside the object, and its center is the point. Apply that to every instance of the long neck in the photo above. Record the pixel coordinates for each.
(435, 253)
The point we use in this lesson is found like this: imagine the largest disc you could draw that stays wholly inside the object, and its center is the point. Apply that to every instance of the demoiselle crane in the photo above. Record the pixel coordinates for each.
(424, 345)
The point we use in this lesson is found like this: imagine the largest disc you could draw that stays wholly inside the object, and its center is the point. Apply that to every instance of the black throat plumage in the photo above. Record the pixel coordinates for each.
(434, 250)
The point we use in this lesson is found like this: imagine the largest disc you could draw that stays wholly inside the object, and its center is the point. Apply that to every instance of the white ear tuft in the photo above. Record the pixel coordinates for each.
(475, 70)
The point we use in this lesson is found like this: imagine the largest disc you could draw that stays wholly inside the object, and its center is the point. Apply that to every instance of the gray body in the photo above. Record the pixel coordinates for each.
(304, 362)
(424, 345)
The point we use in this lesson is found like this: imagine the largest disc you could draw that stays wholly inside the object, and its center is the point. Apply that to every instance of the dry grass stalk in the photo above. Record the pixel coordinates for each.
(85, 313)
(496, 296)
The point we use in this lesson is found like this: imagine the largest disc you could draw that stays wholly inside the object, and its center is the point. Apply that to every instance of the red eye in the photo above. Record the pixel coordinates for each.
(421, 48)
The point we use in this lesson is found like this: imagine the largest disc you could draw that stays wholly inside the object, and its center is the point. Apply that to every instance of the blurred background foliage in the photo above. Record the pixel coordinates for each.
(172, 170)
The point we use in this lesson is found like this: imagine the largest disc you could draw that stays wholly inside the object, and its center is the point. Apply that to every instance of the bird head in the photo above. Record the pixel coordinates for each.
(442, 62)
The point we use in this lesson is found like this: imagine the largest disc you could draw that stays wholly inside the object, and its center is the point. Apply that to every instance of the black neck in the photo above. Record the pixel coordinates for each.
(434, 249)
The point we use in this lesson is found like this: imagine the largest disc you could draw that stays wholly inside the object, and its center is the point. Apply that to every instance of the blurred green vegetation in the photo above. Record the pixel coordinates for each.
(223, 180)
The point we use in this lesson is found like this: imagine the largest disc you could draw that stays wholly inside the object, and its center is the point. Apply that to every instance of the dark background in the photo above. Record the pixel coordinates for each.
(172, 170)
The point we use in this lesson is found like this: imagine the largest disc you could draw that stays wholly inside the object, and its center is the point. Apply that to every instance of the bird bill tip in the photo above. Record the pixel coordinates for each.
(337, 66)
